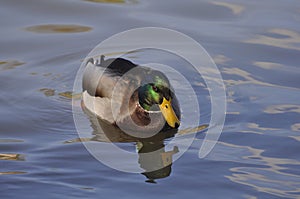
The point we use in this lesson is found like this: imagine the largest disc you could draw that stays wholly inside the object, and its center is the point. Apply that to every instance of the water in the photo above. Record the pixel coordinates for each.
(255, 45)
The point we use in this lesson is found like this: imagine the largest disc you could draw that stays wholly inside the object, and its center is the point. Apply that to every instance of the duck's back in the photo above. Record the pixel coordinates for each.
(99, 79)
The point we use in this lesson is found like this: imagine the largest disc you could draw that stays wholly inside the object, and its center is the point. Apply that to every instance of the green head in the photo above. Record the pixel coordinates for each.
(158, 92)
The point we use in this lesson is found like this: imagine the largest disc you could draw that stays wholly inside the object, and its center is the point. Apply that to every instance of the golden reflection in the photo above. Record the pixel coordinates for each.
(47, 91)
(267, 65)
(58, 28)
(66, 94)
(70, 95)
(233, 113)
(282, 108)
(11, 64)
(257, 127)
(296, 127)
(247, 78)
(192, 130)
(6, 156)
(12, 172)
(295, 137)
(201, 84)
(271, 179)
(252, 131)
(47, 74)
(266, 180)
(221, 59)
(235, 8)
(281, 38)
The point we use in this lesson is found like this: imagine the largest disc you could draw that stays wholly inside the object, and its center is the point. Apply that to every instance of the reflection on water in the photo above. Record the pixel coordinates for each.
(282, 108)
(11, 64)
(257, 127)
(235, 8)
(268, 179)
(267, 65)
(221, 59)
(12, 172)
(58, 28)
(4, 156)
(264, 174)
(296, 127)
(153, 159)
(68, 94)
(281, 38)
(47, 91)
(65, 94)
(247, 77)
(152, 155)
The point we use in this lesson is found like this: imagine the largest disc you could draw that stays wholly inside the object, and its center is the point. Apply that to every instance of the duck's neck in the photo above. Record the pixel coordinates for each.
(143, 98)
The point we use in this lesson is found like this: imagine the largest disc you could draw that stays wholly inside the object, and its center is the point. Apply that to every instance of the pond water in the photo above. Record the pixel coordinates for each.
(256, 46)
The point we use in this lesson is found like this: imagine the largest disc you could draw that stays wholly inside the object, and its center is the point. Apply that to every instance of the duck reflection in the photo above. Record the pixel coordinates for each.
(152, 156)
(155, 160)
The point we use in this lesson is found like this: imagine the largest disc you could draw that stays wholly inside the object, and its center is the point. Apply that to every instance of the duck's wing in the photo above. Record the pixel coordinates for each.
(96, 106)
(117, 66)
(99, 87)
(99, 79)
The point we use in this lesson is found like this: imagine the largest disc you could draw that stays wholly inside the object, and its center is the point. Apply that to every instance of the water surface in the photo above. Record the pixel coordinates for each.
(256, 46)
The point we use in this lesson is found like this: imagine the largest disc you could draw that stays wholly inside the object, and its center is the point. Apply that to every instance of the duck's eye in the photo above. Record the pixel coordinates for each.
(154, 88)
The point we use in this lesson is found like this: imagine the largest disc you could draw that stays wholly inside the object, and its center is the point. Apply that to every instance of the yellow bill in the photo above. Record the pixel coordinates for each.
(169, 114)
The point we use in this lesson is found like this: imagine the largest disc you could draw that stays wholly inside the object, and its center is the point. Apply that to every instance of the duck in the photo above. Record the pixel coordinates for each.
(130, 96)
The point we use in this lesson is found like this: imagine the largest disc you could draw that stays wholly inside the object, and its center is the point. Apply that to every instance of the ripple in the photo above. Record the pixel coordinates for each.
(233, 113)
(66, 94)
(10, 64)
(267, 65)
(282, 108)
(221, 59)
(267, 180)
(247, 78)
(277, 37)
(58, 28)
(47, 91)
(235, 8)
(296, 127)
(263, 173)
(6, 156)
(12, 172)
(257, 127)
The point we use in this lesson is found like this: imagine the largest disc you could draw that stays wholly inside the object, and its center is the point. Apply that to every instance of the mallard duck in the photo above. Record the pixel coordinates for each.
(119, 92)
